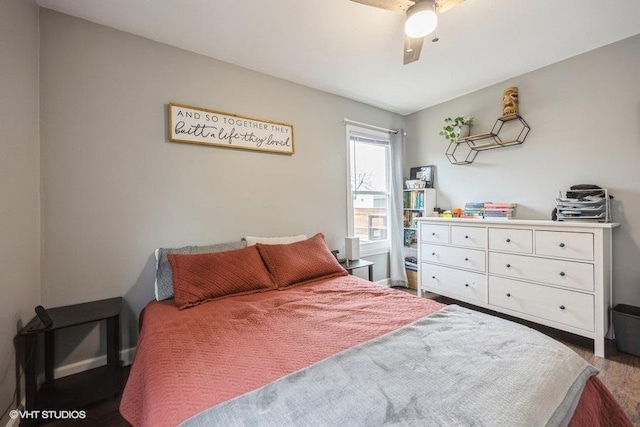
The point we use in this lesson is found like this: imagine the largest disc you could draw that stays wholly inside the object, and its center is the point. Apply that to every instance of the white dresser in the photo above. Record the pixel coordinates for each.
(553, 273)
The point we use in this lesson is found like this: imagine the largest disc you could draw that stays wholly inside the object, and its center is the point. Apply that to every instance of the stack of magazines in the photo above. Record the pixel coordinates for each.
(499, 210)
(489, 210)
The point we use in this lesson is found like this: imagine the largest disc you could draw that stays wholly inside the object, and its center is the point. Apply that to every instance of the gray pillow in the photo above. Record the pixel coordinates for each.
(164, 276)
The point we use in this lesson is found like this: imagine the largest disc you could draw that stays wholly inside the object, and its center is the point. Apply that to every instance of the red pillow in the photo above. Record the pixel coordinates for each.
(300, 262)
(205, 277)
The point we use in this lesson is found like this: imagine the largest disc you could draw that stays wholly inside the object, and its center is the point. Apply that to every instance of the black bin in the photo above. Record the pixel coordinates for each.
(626, 324)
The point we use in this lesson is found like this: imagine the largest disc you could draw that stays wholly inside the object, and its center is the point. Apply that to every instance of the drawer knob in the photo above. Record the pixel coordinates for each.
(508, 294)
(562, 245)
(433, 234)
(433, 277)
(466, 237)
(433, 254)
(562, 273)
(466, 259)
(508, 240)
(466, 285)
(562, 307)
(508, 265)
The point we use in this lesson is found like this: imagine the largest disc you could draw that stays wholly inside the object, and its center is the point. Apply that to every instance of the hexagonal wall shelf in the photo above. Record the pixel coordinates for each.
(464, 150)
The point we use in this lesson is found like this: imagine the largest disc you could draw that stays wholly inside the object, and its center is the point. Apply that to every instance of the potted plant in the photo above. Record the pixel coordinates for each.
(454, 128)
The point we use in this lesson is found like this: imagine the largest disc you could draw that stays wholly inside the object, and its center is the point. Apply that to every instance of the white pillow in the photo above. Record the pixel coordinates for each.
(252, 240)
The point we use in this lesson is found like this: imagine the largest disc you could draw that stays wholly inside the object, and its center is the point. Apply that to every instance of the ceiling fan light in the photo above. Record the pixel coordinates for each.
(421, 20)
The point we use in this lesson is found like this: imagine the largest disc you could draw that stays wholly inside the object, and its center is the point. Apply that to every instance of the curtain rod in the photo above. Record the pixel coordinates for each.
(353, 122)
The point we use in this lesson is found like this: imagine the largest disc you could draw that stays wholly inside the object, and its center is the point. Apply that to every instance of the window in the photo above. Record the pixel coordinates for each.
(369, 184)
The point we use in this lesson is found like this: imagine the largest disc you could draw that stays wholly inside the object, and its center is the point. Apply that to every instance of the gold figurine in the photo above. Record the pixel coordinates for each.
(510, 101)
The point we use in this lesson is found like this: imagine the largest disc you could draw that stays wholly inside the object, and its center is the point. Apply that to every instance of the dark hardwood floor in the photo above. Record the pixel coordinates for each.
(102, 414)
(619, 371)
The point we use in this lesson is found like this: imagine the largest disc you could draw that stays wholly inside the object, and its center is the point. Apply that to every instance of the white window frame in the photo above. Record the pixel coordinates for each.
(381, 246)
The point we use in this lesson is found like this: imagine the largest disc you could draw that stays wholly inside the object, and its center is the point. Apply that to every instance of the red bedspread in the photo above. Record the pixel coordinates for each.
(187, 361)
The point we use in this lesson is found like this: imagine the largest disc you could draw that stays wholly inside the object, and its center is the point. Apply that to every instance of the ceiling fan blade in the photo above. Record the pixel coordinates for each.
(444, 5)
(412, 49)
(392, 5)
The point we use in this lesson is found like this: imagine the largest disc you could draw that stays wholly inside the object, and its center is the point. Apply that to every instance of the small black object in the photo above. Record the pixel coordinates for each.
(626, 323)
(335, 253)
(44, 316)
(585, 190)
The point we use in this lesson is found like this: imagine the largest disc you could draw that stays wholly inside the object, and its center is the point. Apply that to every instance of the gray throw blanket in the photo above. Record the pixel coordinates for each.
(454, 367)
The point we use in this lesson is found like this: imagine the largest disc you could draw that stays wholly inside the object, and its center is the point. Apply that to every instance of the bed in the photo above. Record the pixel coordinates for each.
(280, 334)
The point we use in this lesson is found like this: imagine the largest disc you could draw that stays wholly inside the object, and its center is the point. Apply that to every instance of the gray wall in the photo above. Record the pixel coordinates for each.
(584, 115)
(19, 180)
(114, 188)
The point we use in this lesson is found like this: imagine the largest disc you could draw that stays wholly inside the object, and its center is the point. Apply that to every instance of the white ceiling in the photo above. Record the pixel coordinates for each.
(353, 50)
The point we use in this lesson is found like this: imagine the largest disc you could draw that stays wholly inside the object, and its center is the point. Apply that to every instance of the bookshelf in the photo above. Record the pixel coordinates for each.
(417, 203)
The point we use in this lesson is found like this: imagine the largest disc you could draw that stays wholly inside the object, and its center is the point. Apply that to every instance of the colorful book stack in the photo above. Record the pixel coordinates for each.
(473, 210)
(499, 210)
(489, 210)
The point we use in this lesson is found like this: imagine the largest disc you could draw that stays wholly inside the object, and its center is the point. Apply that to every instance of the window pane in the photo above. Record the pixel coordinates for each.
(370, 217)
(369, 187)
(368, 167)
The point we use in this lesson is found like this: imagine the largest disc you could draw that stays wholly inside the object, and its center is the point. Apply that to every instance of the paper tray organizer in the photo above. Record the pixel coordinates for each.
(590, 208)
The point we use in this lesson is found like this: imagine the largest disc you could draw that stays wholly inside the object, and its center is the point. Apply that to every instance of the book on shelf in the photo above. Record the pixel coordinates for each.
(410, 237)
(410, 218)
(414, 199)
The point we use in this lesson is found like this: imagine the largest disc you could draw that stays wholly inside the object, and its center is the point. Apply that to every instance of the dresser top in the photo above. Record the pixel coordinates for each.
(527, 222)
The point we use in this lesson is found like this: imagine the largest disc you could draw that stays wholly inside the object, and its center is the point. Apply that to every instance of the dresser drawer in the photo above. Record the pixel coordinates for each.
(471, 259)
(565, 244)
(471, 286)
(473, 237)
(557, 305)
(434, 233)
(511, 239)
(568, 274)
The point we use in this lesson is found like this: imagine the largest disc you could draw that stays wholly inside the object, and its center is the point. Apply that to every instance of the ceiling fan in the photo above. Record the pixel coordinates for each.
(421, 20)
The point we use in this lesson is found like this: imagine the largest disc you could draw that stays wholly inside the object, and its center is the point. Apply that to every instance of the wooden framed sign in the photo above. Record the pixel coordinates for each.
(194, 125)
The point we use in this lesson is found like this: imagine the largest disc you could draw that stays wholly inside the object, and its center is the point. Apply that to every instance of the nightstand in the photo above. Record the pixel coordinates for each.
(358, 263)
(73, 391)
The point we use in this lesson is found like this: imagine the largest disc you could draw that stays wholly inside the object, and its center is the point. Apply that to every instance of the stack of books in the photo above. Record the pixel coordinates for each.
(489, 210)
(473, 210)
(499, 210)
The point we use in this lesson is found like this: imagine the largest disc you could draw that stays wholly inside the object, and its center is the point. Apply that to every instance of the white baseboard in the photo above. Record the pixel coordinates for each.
(126, 356)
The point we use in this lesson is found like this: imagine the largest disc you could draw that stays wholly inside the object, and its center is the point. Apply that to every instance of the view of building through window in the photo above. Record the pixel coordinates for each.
(369, 174)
